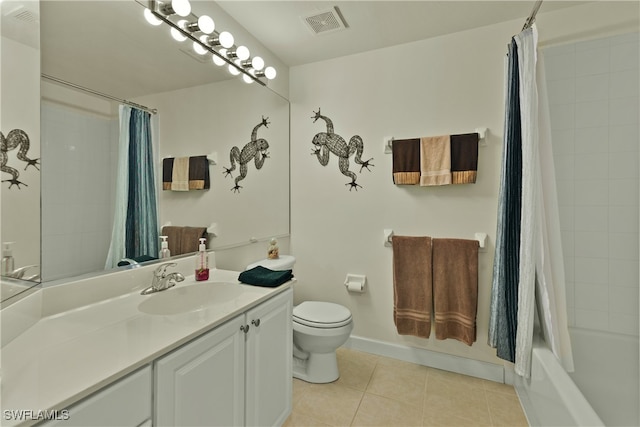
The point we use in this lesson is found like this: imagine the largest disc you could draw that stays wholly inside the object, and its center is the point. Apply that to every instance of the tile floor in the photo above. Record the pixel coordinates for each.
(378, 391)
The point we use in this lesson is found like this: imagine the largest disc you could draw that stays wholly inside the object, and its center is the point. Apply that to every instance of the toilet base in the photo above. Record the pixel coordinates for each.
(319, 368)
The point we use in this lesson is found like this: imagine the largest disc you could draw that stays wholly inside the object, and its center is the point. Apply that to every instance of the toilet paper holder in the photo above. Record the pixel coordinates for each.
(355, 282)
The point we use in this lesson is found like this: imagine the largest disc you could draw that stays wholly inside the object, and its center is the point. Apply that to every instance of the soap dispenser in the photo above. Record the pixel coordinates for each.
(202, 262)
(164, 248)
(7, 258)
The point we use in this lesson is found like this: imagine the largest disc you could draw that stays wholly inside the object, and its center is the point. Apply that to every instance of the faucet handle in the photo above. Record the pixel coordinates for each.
(162, 268)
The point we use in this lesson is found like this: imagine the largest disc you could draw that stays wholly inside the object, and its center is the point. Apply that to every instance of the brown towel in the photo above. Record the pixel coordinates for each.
(183, 240)
(435, 160)
(412, 299)
(406, 161)
(464, 158)
(185, 173)
(455, 288)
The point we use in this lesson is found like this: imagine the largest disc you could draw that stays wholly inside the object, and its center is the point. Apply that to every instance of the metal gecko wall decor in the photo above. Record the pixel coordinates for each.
(16, 138)
(330, 142)
(256, 150)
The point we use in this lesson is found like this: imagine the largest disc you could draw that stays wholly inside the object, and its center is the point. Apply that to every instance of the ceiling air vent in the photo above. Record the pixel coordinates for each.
(21, 13)
(325, 21)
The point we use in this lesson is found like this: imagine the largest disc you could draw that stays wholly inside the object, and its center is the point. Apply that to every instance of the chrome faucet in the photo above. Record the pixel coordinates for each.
(161, 280)
(18, 273)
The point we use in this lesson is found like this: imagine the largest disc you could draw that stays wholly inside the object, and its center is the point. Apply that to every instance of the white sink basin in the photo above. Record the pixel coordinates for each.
(185, 299)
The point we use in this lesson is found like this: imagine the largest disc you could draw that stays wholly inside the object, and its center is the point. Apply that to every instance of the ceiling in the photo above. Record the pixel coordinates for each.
(108, 46)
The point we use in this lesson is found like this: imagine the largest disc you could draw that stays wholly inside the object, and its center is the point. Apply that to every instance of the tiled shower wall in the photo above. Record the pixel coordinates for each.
(77, 188)
(593, 89)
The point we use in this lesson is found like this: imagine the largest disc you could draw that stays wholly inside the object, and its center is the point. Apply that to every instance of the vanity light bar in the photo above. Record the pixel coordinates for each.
(219, 44)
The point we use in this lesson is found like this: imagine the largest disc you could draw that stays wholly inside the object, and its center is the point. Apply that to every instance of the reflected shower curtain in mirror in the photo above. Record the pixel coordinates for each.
(135, 223)
(528, 270)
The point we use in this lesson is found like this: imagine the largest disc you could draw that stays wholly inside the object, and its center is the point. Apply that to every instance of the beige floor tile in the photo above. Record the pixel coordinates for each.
(301, 420)
(356, 368)
(499, 387)
(444, 419)
(454, 378)
(461, 406)
(505, 409)
(332, 403)
(299, 389)
(400, 382)
(381, 411)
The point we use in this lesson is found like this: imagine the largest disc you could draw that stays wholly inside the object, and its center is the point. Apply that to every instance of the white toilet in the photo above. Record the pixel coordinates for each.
(319, 328)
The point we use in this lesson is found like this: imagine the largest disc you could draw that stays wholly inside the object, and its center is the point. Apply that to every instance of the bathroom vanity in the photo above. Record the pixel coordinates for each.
(201, 353)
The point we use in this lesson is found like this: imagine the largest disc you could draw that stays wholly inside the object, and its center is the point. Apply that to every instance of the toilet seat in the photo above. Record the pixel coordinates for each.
(323, 315)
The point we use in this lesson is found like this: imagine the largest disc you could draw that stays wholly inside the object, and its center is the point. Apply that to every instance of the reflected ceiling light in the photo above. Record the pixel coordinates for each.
(199, 49)
(219, 61)
(223, 39)
(241, 53)
(176, 7)
(233, 70)
(247, 78)
(257, 63)
(204, 24)
(151, 18)
(177, 34)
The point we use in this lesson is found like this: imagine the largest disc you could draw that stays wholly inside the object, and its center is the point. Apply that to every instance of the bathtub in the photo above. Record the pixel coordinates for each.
(550, 397)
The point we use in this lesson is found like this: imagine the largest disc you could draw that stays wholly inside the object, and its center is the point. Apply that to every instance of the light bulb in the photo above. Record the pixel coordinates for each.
(233, 70)
(257, 63)
(247, 79)
(219, 61)
(270, 73)
(181, 7)
(206, 24)
(197, 47)
(226, 39)
(177, 35)
(151, 18)
(242, 52)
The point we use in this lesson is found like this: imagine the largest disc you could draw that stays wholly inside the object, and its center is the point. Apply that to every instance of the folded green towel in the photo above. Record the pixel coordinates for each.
(261, 276)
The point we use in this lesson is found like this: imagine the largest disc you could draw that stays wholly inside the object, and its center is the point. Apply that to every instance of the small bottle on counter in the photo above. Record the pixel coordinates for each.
(202, 262)
(164, 248)
(7, 258)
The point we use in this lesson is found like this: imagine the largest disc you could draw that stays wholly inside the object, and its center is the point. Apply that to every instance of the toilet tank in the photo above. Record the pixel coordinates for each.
(284, 262)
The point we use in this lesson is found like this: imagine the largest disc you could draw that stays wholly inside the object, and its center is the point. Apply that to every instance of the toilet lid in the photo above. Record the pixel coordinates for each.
(319, 314)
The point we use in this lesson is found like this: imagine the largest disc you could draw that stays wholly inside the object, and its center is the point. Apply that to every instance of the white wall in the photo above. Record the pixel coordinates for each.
(214, 118)
(21, 110)
(451, 84)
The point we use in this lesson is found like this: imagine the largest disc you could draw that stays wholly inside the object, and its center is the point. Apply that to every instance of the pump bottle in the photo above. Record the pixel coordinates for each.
(164, 248)
(7, 259)
(202, 262)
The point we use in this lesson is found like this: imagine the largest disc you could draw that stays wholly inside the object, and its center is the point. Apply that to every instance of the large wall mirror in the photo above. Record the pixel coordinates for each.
(108, 47)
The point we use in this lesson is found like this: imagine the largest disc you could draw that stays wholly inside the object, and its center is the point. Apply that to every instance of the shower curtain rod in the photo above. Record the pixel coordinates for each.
(100, 94)
(532, 16)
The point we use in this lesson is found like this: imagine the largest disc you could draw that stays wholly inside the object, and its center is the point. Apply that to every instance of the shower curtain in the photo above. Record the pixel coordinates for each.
(528, 270)
(135, 224)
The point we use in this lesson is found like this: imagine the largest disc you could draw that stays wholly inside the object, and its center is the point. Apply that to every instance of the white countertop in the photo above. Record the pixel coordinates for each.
(69, 355)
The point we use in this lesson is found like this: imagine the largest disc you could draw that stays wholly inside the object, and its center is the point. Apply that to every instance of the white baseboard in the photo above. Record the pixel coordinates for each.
(433, 359)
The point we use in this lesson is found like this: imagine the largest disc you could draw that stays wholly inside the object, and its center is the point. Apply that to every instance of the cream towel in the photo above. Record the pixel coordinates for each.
(435, 160)
(412, 299)
(180, 174)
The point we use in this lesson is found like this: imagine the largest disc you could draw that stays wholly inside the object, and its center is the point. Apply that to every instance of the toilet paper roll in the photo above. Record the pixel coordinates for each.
(355, 286)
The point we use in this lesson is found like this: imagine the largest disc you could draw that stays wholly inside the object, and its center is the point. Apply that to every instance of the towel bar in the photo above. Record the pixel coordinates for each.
(482, 142)
(212, 229)
(480, 237)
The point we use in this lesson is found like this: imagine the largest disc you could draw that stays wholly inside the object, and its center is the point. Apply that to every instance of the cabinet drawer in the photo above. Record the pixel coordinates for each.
(124, 403)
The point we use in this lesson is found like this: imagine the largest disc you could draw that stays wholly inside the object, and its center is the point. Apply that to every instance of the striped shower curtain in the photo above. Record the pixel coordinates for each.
(135, 225)
(528, 271)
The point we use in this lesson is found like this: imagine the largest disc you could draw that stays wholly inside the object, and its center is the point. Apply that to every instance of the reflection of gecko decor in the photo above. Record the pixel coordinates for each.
(15, 138)
(255, 149)
(326, 142)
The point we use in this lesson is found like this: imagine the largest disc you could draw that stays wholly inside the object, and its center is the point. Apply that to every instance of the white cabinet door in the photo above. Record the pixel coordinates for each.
(202, 383)
(269, 361)
(127, 402)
